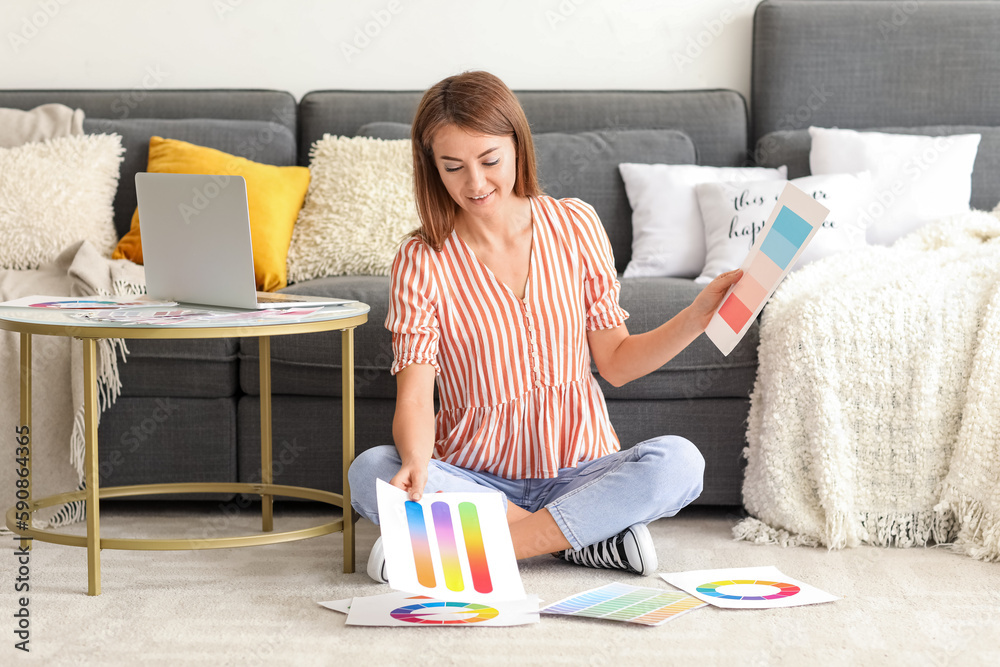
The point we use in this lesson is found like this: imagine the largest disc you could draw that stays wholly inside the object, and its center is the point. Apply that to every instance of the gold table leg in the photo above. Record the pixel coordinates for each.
(26, 418)
(91, 466)
(347, 403)
(266, 464)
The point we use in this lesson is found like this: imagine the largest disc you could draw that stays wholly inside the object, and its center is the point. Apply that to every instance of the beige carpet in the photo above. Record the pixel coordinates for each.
(258, 606)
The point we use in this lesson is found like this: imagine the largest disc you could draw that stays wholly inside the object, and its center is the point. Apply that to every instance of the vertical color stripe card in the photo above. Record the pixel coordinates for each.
(448, 545)
(421, 545)
(788, 230)
(622, 602)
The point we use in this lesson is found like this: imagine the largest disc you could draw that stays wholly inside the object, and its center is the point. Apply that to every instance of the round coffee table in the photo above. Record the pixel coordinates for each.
(226, 324)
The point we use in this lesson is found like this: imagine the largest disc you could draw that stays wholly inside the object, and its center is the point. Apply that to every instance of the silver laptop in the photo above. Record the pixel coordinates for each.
(196, 243)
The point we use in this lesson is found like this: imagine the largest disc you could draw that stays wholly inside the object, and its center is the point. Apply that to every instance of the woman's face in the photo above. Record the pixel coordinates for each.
(478, 170)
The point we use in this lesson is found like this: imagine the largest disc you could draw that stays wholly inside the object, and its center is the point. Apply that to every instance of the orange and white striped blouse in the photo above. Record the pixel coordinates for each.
(517, 398)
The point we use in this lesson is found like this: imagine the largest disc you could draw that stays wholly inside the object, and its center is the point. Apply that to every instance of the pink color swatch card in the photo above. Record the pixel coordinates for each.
(791, 226)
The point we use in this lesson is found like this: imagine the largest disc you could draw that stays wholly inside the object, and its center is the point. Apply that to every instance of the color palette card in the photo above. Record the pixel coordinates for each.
(451, 546)
(788, 230)
(87, 303)
(405, 610)
(747, 588)
(631, 604)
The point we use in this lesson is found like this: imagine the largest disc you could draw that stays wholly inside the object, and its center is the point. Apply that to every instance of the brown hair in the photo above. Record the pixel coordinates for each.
(477, 102)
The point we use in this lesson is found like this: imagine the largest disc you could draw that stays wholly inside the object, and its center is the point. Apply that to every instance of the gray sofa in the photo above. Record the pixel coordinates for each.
(830, 63)
(209, 388)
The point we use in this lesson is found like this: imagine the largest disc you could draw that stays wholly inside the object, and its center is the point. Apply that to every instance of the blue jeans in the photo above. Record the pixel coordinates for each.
(590, 503)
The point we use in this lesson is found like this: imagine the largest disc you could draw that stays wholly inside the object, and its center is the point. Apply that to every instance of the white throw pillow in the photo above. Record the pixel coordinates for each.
(734, 214)
(916, 179)
(55, 193)
(668, 237)
(358, 208)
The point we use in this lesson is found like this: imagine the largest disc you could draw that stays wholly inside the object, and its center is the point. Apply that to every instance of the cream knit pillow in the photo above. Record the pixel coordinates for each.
(358, 208)
(55, 193)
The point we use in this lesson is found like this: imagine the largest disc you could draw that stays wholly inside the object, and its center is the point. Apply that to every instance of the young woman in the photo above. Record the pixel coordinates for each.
(503, 297)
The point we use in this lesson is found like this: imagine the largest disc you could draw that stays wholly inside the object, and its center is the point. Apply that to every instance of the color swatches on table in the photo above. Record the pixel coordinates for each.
(748, 589)
(792, 224)
(448, 548)
(444, 613)
(622, 602)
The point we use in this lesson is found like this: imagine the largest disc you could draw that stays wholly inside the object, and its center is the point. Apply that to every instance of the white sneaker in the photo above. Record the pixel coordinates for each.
(376, 563)
(632, 550)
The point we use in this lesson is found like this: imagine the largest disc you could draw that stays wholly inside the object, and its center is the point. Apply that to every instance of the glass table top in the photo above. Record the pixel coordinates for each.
(147, 320)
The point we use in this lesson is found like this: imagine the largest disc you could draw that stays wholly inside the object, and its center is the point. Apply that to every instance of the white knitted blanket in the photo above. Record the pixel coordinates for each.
(875, 417)
(58, 442)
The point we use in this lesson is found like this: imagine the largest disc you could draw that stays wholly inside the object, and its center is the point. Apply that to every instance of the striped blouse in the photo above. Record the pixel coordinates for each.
(517, 397)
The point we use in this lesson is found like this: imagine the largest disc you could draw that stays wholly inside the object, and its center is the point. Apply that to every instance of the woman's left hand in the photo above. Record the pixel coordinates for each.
(710, 298)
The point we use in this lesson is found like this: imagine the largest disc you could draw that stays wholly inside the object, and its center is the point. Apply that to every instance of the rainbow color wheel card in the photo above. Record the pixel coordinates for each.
(747, 588)
(399, 609)
(631, 604)
(450, 546)
(788, 230)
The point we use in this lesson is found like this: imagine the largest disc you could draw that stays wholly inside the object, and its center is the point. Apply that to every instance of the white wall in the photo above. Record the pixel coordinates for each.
(302, 45)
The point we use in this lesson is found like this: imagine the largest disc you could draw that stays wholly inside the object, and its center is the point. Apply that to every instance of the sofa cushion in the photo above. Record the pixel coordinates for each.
(168, 440)
(792, 147)
(585, 165)
(869, 64)
(267, 142)
(731, 230)
(358, 208)
(306, 437)
(54, 194)
(716, 426)
(274, 196)
(384, 130)
(198, 368)
(310, 364)
(700, 370)
(668, 233)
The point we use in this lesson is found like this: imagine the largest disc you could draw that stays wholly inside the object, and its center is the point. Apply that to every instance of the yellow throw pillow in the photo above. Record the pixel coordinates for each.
(274, 195)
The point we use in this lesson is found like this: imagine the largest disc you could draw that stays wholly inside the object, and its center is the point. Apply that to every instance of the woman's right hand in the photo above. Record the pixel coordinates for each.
(412, 477)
